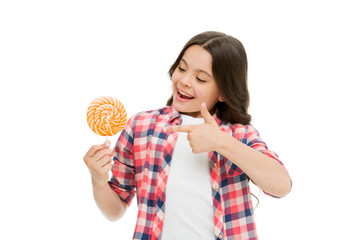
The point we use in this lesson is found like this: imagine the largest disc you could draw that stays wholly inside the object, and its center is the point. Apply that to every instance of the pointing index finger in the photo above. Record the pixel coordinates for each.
(178, 128)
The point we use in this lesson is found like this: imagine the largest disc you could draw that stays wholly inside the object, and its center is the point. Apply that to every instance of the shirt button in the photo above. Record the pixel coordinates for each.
(214, 164)
(219, 212)
(220, 236)
(216, 188)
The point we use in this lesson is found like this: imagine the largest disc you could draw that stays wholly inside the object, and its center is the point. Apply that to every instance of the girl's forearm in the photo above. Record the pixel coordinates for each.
(264, 171)
(108, 201)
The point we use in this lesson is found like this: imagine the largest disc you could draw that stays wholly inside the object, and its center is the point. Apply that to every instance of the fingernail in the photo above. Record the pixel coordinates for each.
(106, 144)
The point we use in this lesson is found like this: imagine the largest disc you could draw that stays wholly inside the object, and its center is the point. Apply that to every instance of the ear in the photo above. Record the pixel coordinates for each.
(220, 98)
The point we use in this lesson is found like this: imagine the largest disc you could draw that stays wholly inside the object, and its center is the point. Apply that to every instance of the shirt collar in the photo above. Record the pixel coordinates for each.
(173, 114)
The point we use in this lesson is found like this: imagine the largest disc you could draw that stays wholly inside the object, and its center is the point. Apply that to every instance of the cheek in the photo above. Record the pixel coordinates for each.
(201, 93)
(209, 95)
(174, 77)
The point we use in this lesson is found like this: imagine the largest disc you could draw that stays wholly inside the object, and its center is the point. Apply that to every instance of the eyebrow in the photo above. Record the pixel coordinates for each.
(200, 70)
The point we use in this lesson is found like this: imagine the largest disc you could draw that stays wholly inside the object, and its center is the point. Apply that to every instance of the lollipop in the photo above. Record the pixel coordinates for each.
(106, 116)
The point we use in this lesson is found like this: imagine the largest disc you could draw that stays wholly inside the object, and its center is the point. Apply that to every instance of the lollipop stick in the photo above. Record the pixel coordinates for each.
(107, 142)
(108, 125)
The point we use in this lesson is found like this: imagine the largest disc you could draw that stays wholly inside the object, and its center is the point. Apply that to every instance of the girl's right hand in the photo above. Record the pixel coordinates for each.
(99, 162)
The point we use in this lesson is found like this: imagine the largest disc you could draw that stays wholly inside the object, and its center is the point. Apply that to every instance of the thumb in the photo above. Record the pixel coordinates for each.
(106, 143)
(206, 115)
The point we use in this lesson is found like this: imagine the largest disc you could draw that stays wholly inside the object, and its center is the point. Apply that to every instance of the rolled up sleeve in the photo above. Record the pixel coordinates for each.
(123, 180)
(253, 139)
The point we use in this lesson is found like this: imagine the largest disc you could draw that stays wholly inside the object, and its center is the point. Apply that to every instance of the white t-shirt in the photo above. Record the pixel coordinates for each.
(188, 205)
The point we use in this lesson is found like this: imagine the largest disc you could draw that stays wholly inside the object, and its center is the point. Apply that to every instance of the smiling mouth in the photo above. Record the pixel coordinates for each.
(184, 95)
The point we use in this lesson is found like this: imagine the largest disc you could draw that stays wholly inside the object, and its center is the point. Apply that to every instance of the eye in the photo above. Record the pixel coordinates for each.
(181, 69)
(201, 80)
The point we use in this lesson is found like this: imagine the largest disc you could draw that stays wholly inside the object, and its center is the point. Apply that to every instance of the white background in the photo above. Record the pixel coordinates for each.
(58, 56)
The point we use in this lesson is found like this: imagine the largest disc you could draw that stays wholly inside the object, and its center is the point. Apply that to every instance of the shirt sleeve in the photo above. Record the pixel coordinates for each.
(122, 180)
(253, 139)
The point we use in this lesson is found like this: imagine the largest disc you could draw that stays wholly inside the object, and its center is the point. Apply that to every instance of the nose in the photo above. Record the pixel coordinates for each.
(186, 80)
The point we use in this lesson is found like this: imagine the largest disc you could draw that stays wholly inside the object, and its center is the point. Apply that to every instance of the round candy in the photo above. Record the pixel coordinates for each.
(106, 116)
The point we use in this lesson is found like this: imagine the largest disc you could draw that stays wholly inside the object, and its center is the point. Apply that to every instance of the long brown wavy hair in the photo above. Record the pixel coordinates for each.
(229, 67)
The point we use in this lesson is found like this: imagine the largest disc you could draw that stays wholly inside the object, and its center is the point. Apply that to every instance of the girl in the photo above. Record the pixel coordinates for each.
(190, 162)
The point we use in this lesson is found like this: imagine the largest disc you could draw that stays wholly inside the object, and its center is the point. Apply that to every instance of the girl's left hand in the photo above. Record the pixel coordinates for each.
(204, 137)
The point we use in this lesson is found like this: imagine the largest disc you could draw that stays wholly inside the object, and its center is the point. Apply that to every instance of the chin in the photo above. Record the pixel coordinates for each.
(186, 110)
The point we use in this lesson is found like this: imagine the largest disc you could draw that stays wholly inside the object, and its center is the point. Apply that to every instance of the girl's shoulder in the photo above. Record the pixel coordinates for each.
(153, 113)
(237, 127)
(163, 114)
(240, 131)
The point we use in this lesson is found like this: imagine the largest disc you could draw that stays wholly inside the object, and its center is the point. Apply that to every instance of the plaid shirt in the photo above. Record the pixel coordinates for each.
(141, 167)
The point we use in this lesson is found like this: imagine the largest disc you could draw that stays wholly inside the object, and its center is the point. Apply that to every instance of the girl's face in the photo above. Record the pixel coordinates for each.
(193, 83)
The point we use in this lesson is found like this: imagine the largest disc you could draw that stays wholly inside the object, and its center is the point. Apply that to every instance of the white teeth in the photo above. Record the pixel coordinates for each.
(184, 94)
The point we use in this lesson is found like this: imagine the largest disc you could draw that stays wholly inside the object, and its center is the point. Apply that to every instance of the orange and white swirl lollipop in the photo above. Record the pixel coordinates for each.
(106, 116)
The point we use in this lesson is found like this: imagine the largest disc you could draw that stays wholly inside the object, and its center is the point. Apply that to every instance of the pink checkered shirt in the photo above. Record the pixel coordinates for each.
(141, 167)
